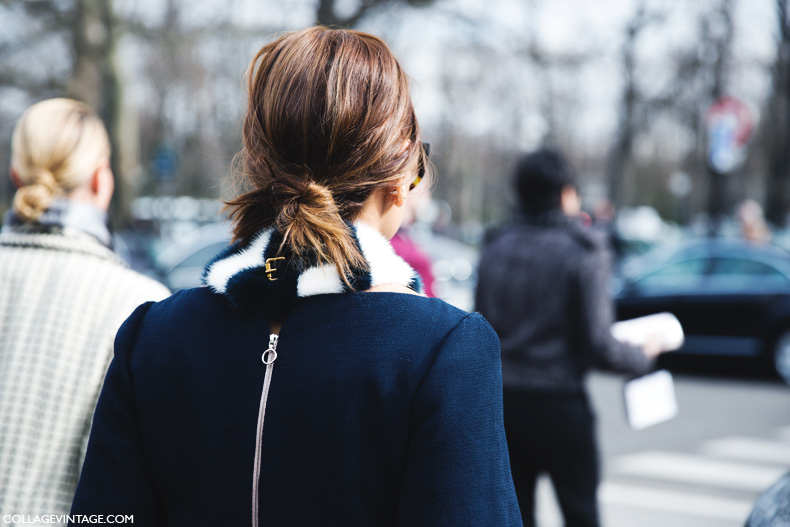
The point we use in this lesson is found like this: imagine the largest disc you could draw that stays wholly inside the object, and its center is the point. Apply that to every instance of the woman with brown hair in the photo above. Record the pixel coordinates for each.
(310, 383)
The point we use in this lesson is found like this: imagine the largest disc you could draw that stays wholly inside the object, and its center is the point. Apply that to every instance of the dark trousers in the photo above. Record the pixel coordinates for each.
(554, 434)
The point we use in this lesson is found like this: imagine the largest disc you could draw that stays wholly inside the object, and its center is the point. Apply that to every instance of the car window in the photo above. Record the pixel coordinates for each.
(678, 276)
(202, 256)
(741, 274)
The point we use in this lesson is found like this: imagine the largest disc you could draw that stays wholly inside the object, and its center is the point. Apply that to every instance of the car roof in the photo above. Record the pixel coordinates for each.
(707, 248)
(213, 233)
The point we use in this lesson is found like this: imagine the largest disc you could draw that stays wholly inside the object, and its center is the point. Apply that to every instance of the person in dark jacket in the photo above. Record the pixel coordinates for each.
(309, 382)
(543, 286)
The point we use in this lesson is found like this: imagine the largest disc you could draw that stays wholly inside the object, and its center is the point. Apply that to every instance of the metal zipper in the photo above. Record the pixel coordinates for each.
(268, 357)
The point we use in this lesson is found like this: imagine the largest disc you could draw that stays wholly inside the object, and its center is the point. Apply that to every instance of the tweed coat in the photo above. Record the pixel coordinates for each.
(63, 296)
(384, 409)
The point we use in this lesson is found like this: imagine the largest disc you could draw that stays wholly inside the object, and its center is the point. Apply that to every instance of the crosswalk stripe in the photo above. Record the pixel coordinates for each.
(685, 503)
(750, 449)
(687, 468)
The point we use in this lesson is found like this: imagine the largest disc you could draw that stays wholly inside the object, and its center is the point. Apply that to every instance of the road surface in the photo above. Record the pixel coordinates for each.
(730, 440)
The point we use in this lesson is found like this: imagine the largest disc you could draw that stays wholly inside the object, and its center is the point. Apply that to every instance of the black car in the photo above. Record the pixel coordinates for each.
(731, 297)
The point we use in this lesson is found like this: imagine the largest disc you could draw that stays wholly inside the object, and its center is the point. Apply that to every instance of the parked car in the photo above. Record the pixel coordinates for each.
(731, 297)
(180, 265)
(454, 268)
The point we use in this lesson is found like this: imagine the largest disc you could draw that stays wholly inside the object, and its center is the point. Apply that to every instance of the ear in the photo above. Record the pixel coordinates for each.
(398, 196)
(15, 178)
(102, 184)
(569, 200)
(96, 181)
(99, 177)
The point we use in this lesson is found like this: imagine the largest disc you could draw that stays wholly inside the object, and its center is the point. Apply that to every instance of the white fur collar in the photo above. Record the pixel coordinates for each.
(384, 266)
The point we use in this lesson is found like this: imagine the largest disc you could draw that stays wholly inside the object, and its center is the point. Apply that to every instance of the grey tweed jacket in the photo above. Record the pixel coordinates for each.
(63, 296)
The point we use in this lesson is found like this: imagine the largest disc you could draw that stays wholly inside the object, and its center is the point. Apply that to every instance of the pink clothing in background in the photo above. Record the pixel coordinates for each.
(408, 250)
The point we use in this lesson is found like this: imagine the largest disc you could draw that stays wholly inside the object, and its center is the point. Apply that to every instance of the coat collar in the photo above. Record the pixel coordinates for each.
(63, 239)
(240, 272)
(64, 214)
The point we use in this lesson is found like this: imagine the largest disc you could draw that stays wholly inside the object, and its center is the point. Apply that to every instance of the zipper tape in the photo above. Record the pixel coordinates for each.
(268, 357)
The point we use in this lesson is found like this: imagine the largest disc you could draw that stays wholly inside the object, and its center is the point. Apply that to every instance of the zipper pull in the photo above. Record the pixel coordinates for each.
(270, 355)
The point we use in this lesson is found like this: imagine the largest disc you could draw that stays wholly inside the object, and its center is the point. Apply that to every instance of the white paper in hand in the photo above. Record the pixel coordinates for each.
(637, 330)
(650, 399)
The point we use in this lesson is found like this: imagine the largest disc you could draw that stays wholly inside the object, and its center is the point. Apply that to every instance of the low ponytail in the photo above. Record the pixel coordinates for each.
(309, 220)
(30, 201)
(306, 215)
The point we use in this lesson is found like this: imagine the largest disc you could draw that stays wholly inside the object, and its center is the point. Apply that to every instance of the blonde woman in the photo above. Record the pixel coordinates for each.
(63, 295)
(309, 383)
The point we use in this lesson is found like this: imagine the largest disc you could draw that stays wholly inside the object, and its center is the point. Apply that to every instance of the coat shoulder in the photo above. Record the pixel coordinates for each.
(588, 238)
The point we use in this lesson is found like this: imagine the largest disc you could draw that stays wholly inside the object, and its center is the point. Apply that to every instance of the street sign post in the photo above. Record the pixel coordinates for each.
(730, 125)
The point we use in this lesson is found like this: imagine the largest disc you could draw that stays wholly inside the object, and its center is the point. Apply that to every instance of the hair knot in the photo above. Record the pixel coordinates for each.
(32, 200)
(46, 178)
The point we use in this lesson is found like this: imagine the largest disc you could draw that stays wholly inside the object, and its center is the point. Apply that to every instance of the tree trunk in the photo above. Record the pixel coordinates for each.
(620, 156)
(719, 197)
(96, 81)
(778, 116)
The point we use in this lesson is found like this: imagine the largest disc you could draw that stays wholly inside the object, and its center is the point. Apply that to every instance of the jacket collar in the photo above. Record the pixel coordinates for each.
(240, 273)
(64, 239)
(548, 218)
(64, 214)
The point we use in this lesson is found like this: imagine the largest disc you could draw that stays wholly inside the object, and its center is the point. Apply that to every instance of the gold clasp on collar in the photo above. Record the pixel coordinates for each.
(270, 269)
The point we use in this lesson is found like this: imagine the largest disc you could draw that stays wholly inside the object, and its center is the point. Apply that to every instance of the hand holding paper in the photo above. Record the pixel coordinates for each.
(643, 331)
(650, 399)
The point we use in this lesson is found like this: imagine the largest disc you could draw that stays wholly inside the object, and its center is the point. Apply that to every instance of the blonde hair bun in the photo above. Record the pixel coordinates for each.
(31, 201)
(56, 146)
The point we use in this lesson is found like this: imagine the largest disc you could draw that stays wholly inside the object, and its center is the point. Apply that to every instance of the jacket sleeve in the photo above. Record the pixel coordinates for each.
(458, 471)
(115, 479)
(596, 312)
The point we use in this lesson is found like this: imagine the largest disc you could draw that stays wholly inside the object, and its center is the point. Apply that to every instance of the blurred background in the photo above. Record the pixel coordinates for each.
(625, 89)
(674, 114)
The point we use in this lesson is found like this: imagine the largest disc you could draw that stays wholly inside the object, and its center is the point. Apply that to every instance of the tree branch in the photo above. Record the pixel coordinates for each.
(326, 15)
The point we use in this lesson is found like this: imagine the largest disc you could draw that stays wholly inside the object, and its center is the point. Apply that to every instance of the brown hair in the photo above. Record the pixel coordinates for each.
(56, 146)
(328, 119)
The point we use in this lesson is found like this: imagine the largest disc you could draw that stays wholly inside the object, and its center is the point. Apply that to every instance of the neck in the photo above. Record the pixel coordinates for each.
(371, 215)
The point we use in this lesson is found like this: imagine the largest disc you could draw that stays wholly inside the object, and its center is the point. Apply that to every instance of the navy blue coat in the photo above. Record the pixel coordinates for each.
(384, 409)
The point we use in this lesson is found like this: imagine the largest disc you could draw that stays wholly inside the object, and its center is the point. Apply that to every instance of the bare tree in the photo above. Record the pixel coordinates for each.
(88, 29)
(620, 157)
(326, 13)
(778, 122)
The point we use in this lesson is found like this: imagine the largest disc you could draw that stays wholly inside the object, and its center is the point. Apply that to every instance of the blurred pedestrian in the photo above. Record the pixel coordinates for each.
(543, 286)
(754, 228)
(372, 405)
(63, 295)
(604, 218)
(404, 244)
